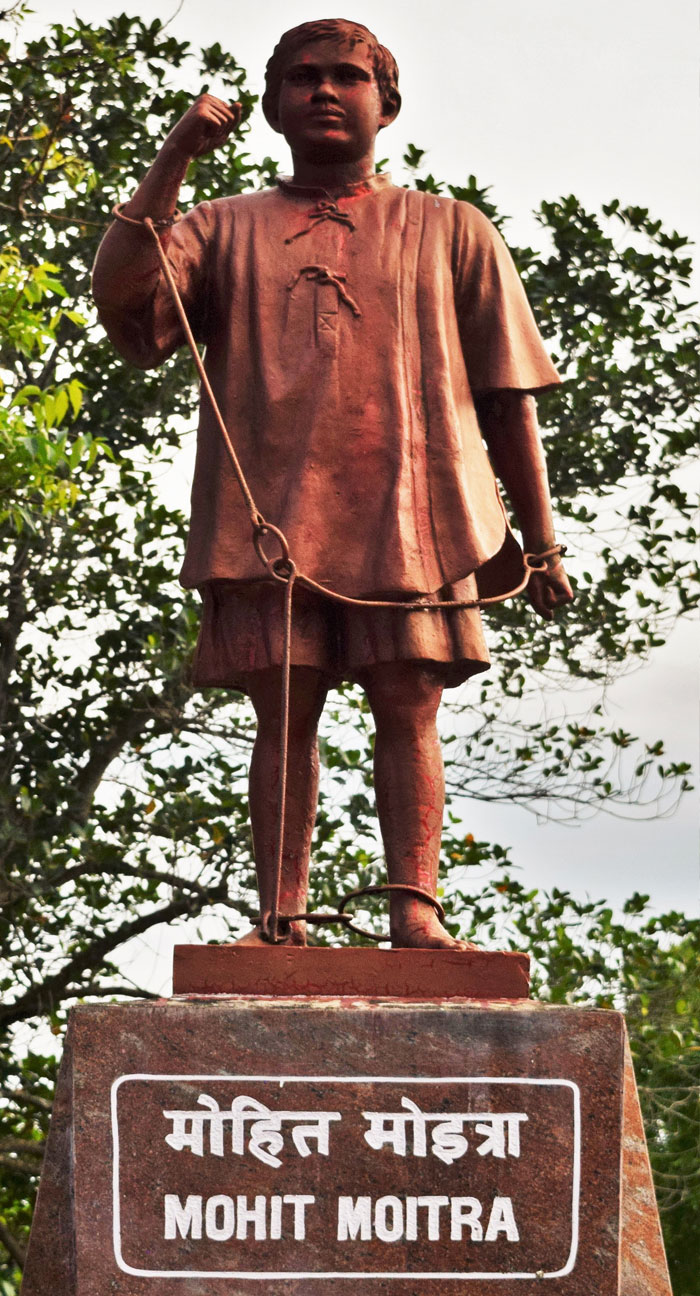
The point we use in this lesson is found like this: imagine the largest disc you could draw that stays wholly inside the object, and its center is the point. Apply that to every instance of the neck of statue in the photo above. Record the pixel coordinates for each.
(332, 176)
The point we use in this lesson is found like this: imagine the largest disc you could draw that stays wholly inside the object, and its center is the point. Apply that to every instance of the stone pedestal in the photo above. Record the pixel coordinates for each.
(236, 1144)
(355, 971)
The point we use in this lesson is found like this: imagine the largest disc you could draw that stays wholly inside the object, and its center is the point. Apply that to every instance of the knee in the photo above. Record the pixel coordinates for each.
(307, 694)
(403, 696)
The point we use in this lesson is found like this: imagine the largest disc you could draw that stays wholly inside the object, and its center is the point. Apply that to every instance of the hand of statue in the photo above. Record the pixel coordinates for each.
(549, 589)
(204, 127)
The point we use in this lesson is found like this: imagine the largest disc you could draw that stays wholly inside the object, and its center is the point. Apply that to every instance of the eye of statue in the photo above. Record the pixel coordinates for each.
(350, 73)
(300, 75)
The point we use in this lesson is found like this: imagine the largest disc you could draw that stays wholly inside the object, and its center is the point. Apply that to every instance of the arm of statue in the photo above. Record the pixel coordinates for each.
(508, 421)
(126, 263)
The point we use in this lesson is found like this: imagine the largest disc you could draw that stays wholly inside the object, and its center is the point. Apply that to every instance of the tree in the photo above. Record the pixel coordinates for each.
(123, 793)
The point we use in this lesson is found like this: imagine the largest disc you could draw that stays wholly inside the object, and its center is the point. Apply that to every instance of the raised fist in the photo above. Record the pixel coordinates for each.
(204, 127)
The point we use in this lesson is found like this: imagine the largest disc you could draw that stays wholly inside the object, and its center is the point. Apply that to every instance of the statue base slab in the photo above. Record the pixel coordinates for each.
(234, 1145)
(317, 970)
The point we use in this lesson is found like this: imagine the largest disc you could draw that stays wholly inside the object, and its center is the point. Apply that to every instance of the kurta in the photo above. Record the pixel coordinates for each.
(345, 341)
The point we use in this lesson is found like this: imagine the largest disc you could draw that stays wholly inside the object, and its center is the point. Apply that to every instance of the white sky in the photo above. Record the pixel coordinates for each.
(537, 98)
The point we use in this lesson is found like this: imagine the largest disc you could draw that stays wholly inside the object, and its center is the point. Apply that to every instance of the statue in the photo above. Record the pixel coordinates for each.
(363, 342)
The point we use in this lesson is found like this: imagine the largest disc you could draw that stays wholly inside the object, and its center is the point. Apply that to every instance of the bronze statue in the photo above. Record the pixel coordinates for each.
(363, 342)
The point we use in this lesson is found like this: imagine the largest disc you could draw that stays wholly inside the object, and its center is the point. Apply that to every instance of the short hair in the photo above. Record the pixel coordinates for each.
(386, 72)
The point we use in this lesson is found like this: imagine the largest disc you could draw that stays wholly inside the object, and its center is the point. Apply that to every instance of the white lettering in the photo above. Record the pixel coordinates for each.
(316, 1128)
(188, 1128)
(264, 1138)
(502, 1220)
(222, 1218)
(185, 1220)
(501, 1131)
(275, 1218)
(388, 1219)
(299, 1203)
(385, 1231)
(264, 1133)
(465, 1211)
(220, 1232)
(434, 1206)
(448, 1141)
(386, 1128)
(496, 1126)
(354, 1216)
(254, 1215)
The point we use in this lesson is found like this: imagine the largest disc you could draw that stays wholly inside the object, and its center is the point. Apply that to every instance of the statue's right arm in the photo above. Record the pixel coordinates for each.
(126, 266)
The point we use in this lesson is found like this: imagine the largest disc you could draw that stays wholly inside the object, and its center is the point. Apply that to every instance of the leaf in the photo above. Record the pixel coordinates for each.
(60, 405)
(75, 394)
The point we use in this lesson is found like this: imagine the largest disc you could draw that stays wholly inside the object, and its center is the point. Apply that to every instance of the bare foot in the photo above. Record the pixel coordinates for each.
(418, 927)
(294, 935)
(253, 937)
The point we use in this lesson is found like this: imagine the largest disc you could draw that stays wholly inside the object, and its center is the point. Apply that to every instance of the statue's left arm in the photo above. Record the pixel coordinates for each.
(506, 363)
(508, 421)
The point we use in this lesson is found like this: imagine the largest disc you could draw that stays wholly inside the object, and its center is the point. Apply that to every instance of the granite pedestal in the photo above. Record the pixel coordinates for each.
(230, 1144)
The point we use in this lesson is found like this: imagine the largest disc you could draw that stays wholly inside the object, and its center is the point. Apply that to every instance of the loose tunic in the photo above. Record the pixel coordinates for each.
(345, 341)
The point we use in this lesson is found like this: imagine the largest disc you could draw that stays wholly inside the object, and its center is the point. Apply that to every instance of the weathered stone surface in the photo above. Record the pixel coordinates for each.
(643, 1268)
(51, 1259)
(536, 1194)
(400, 973)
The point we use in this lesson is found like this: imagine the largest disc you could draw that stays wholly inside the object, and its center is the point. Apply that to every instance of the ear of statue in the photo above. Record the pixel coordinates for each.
(274, 121)
(391, 107)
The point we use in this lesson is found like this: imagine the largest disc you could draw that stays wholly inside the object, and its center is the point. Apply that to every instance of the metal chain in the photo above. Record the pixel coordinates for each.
(325, 918)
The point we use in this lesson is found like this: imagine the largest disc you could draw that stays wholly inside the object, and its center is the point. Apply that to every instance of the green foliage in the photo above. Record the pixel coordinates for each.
(122, 793)
(36, 447)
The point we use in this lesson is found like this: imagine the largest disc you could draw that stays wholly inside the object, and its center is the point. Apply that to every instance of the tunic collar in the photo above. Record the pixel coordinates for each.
(358, 189)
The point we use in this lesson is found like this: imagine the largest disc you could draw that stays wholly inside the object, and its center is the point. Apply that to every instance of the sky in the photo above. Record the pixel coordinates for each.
(537, 98)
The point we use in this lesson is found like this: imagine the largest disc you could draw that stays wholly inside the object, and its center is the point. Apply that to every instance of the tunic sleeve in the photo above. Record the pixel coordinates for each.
(147, 330)
(500, 339)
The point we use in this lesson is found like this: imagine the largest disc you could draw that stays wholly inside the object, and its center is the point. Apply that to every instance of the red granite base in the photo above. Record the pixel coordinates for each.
(521, 1155)
(375, 973)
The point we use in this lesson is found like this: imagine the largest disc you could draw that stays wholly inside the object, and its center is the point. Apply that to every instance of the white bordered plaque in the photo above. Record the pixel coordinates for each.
(260, 1177)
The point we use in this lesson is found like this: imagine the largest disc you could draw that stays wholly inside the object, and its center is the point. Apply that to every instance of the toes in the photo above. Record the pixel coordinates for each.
(422, 938)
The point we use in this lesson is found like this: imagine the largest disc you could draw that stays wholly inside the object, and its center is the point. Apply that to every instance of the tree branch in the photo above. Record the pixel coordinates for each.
(160, 709)
(133, 992)
(18, 1166)
(52, 882)
(23, 1095)
(45, 997)
(30, 1147)
(12, 1246)
(11, 624)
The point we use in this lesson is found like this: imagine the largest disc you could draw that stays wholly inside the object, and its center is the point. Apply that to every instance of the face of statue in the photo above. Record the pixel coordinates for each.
(329, 106)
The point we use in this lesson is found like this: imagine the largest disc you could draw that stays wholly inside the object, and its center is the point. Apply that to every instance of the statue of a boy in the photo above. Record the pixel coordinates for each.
(363, 342)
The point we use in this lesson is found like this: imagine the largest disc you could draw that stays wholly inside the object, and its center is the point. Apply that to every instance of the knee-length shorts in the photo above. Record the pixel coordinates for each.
(242, 631)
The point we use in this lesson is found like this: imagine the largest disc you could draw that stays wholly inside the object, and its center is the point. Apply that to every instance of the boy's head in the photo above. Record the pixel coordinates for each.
(386, 73)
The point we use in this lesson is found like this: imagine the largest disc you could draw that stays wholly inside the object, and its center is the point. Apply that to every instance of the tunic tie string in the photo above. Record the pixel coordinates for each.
(322, 275)
(325, 209)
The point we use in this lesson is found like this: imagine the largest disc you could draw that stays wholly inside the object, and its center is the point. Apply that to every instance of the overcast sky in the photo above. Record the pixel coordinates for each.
(537, 98)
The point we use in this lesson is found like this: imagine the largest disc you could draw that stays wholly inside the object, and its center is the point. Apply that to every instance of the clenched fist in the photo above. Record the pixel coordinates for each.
(549, 589)
(204, 127)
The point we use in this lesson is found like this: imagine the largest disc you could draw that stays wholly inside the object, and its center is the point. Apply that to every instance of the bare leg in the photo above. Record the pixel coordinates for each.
(410, 790)
(308, 689)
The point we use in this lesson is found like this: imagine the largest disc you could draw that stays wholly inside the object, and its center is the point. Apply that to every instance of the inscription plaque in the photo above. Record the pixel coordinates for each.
(320, 1147)
(289, 1177)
